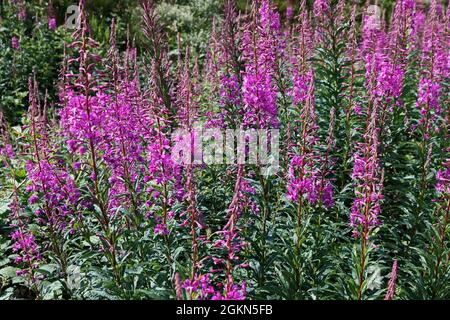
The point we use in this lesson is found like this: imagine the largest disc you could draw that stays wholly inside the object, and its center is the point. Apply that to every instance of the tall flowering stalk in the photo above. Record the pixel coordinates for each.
(24, 245)
(187, 116)
(368, 184)
(394, 55)
(122, 149)
(384, 75)
(435, 68)
(159, 60)
(300, 47)
(198, 286)
(81, 118)
(402, 32)
(260, 45)
(212, 66)
(51, 16)
(335, 58)
(351, 94)
(233, 242)
(21, 8)
(442, 218)
(325, 186)
(306, 184)
(289, 12)
(322, 14)
(303, 174)
(352, 52)
(193, 217)
(85, 105)
(49, 182)
(164, 177)
(228, 64)
(301, 75)
(162, 171)
(229, 67)
(390, 294)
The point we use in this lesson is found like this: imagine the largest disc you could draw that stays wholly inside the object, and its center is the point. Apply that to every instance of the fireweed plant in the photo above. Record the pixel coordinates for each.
(96, 206)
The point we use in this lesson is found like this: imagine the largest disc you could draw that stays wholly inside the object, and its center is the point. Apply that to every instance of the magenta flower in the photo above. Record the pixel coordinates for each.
(428, 102)
(327, 196)
(7, 151)
(367, 181)
(261, 47)
(161, 229)
(289, 10)
(304, 182)
(390, 294)
(321, 11)
(301, 84)
(200, 286)
(52, 24)
(27, 251)
(15, 43)
(304, 176)
(235, 292)
(435, 62)
(22, 15)
(443, 181)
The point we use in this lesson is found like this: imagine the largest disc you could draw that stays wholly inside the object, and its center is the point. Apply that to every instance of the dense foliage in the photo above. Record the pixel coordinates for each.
(29, 44)
(93, 204)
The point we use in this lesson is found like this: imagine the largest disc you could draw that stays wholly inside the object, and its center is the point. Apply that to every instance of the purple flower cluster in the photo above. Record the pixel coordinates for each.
(443, 179)
(305, 182)
(82, 120)
(15, 43)
(24, 244)
(261, 47)
(122, 149)
(232, 242)
(436, 65)
(301, 84)
(390, 294)
(27, 251)
(53, 186)
(200, 288)
(304, 176)
(52, 24)
(22, 15)
(384, 76)
(48, 181)
(367, 181)
(428, 101)
(321, 11)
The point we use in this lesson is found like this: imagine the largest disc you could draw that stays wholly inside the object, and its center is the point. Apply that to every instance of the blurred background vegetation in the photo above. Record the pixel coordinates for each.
(191, 18)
